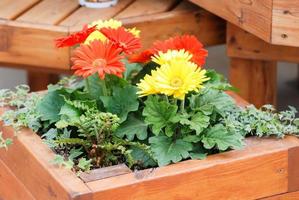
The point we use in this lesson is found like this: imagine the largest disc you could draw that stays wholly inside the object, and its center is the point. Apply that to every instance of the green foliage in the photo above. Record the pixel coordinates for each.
(5, 143)
(166, 150)
(218, 136)
(123, 101)
(158, 113)
(132, 127)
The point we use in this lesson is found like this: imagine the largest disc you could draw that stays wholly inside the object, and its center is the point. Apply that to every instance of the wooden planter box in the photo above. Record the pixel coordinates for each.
(265, 168)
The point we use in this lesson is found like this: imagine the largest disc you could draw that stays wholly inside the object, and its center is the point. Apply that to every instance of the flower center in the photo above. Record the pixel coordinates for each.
(99, 62)
(176, 82)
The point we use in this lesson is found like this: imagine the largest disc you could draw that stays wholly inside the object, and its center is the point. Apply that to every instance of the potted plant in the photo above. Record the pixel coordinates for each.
(98, 3)
(140, 126)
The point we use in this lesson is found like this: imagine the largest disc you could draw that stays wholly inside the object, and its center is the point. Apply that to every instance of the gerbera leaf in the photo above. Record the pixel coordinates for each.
(166, 150)
(218, 136)
(123, 101)
(132, 127)
(158, 113)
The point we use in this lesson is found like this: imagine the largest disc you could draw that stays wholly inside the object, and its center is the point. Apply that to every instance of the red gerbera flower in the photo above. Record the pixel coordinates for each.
(188, 42)
(75, 38)
(123, 39)
(143, 57)
(97, 57)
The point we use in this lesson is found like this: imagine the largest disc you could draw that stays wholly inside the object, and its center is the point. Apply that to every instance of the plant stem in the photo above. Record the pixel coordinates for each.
(105, 91)
(87, 85)
(182, 108)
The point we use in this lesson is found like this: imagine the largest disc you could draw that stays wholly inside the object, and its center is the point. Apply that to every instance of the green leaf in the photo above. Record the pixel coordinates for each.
(74, 153)
(211, 98)
(84, 164)
(198, 156)
(70, 113)
(166, 150)
(131, 69)
(199, 121)
(132, 127)
(50, 105)
(158, 113)
(192, 138)
(142, 157)
(218, 136)
(123, 101)
(96, 86)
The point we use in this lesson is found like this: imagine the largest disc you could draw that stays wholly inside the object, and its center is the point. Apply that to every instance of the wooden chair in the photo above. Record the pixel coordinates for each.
(29, 27)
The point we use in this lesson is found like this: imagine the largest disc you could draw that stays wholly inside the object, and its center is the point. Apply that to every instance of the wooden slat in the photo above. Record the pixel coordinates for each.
(30, 160)
(10, 187)
(40, 80)
(260, 170)
(255, 16)
(242, 44)
(285, 196)
(186, 5)
(33, 45)
(285, 25)
(86, 15)
(106, 172)
(255, 79)
(146, 7)
(10, 9)
(49, 11)
(174, 23)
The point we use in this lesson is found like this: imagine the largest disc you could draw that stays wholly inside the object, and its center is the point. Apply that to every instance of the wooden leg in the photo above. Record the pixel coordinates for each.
(40, 80)
(255, 79)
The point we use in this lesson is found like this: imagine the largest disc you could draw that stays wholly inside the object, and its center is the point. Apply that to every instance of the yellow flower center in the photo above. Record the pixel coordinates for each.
(176, 82)
(99, 62)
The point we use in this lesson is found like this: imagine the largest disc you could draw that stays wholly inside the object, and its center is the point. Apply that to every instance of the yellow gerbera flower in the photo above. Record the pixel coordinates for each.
(147, 86)
(134, 31)
(97, 35)
(175, 78)
(172, 55)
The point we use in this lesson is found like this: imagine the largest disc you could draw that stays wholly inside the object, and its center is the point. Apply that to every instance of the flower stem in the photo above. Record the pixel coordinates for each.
(87, 85)
(105, 91)
(182, 108)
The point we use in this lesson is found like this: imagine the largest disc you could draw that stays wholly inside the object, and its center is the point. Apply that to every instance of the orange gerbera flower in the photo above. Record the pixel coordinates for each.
(123, 39)
(187, 42)
(75, 38)
(97, 57)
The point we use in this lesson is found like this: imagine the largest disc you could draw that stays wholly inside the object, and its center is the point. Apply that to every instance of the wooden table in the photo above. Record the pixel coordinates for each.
(29, 27)
(259, 33)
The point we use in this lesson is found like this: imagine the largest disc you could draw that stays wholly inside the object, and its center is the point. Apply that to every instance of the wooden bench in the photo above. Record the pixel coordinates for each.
(29, 27)
(259, 33)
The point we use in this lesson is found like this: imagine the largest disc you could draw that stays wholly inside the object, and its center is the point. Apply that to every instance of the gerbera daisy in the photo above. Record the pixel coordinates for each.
(175, 78)
(177, 55)
(122, 39)
(187, 42)
(97, 35)
(75, 38)
(97, 57)
(142, 57)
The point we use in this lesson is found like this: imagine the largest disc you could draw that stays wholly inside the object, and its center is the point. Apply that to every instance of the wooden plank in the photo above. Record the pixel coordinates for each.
(10, 9)
(174, 23)
(33, 45)
(239, 101)
(255, 16)
(285, 25)
(40, 80)
(10, 187)
(106, 172)
(255, 79)
(86, 15)
(242, 44)
(49, 11)
(185, 5)
(259, 170)
(285, 196)
(146, 7)
(30, 160)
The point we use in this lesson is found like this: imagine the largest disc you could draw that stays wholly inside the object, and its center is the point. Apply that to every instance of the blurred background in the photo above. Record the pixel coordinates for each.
(287, 79)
